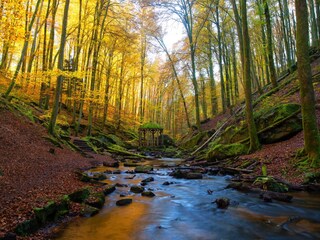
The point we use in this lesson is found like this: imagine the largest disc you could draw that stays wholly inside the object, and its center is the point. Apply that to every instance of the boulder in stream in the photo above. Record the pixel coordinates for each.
(124, 202)
(114, 164)
(149, 179)
(187, 174)
(89, 211)
(137, 189)
(143, 169)
(109, 189)
(193, 175)
(148, 194)
(222, 203)
(96, 200)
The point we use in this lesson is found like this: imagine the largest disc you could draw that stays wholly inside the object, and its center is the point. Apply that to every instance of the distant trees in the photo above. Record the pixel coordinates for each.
(111, 71)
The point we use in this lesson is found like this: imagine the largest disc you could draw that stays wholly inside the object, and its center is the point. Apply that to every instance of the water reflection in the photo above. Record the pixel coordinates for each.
(184, 210)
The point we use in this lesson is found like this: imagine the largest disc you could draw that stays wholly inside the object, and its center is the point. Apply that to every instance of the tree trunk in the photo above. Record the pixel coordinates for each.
(254, 141)
(310, 129)
(270, 45)
(55, 109)
(24, 51)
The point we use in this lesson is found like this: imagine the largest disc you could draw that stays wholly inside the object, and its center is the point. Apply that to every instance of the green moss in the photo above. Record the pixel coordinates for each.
(143, 169)
(151, 125)
(194, 141)
(88, 211)
(313, 177)
(269, 183)
(80, 195)
(269, 116)
(27, 227)
(47, 213)
(116, 140)
(222, 151)
(122, 151)
(96, 200)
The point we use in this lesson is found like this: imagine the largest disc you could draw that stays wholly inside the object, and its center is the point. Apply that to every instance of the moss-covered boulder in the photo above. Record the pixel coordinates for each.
(137, 189)
(194, 141)
(52, 211)
(222, 151)
(269, 183)
(27, 227)
(109, 189)
(234, 134)
(143, 169)
(80, 195)
(278, 123)
(96, 200)
(148, 194)
(283, 131)
(47, 213)
(88, 211)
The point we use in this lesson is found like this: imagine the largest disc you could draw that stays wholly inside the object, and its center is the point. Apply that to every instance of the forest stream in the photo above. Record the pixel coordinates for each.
(184, 209)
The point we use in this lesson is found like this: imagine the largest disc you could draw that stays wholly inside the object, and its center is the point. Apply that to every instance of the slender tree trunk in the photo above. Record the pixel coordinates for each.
(222, 85)
(270, 45)
(254, 141)
(55, 109)
(213, 92)
(24, 50)
(310, 128)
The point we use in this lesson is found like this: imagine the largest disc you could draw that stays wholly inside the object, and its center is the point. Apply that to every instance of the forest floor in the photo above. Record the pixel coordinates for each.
(31, 175)
(280, 157)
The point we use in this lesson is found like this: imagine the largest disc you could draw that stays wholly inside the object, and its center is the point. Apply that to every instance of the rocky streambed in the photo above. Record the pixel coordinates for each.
(147, 203)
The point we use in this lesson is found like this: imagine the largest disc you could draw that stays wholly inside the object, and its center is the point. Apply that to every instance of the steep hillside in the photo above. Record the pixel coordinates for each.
(281, 137)
(33, 171)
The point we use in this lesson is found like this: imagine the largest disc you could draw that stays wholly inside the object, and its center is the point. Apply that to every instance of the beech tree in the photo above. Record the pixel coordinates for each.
(310, 127)
(55, 108)
(254, 141)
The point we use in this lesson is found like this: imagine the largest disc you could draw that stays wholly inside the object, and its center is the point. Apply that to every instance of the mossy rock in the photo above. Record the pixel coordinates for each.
(267, 117)
(96, 200)
(109, 189)
(99, 176)
(222, 151)
(233, 134)
(27, 227)
(148, 194)
(47, 213)
(84, 177)
(143, 169)
(137, 189)
(80, 195)
(116, 140)
(269, 183)
(283, 131)
(89, 211)
(52, 211)
(312, 177)
(194, 141)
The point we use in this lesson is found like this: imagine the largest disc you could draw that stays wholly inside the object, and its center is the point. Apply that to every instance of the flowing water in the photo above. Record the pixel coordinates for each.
(184, 210)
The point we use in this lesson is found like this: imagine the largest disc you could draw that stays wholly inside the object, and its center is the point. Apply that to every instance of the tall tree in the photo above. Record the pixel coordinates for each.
(24, 50)
(254, 141)
(272, 69)
(55, 109)
(310, 129)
